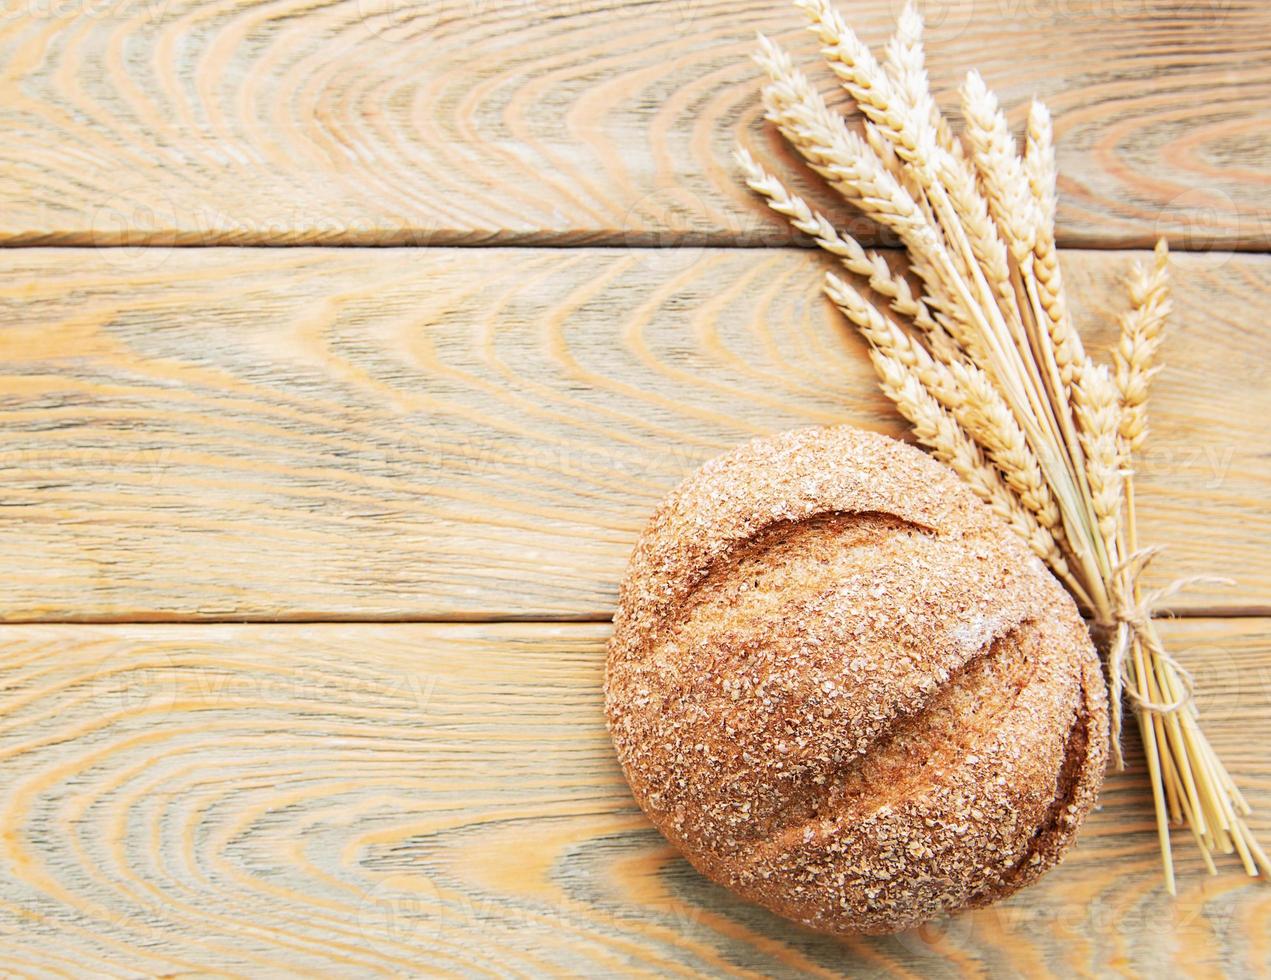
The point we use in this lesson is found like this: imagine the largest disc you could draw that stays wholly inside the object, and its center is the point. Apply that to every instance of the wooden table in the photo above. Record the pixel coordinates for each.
(309, 552)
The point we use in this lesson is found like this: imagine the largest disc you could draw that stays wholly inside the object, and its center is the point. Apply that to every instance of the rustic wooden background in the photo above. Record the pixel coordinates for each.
(308, 553)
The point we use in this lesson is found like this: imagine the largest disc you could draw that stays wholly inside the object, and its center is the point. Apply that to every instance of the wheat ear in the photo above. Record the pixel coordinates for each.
(1099, 415)
(1039, 166)
(906, 63)
(1134, 360)
(855, 258)
(836, 153)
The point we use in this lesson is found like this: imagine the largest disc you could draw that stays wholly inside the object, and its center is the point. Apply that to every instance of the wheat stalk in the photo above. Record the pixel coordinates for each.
(988, 369)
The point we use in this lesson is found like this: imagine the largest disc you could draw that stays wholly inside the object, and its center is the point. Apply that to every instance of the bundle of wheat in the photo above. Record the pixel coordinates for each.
(986, 365)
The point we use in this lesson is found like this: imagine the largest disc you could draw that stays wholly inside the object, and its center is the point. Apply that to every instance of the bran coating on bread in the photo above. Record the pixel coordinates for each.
(842, 688)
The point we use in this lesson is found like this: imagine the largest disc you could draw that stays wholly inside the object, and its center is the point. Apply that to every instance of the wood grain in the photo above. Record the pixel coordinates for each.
(353, 800)
(406, 434)
(575, 121)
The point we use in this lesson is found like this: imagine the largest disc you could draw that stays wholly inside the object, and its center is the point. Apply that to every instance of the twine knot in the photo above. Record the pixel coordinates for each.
(1131, 621)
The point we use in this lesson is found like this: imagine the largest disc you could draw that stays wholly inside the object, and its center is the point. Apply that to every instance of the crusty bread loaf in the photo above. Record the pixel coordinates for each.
(844, 689)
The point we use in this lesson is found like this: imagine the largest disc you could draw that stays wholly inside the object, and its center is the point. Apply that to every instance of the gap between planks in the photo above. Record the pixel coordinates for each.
(495, 619)
(563, 242)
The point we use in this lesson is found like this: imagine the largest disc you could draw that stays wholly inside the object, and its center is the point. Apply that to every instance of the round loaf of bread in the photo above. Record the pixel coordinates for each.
(845, 690)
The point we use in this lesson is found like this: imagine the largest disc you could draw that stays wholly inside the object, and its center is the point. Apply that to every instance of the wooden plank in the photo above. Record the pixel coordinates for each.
(355, 434)
(575, 121)
(354, 799)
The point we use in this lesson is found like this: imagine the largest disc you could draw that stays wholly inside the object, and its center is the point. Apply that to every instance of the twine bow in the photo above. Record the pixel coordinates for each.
(1132, 620)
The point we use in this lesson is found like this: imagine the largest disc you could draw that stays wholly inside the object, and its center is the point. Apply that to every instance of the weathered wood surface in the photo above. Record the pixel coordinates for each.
(575, 121)
(353, 799)
(386, 434)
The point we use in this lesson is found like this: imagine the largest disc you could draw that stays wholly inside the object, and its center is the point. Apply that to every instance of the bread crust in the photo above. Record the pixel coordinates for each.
(843, 689)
